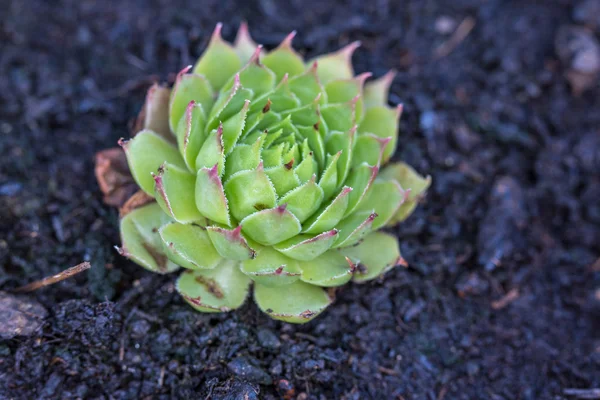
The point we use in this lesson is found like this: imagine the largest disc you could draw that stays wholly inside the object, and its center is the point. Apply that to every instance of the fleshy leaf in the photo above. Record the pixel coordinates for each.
(188, 245)
(340, 116)
(244, 46)
(345, 90)
(354, 228)
(411, 182)
(271, 226)
(249, 191)
(233, 127)
(155, 113)
(329, 179)
(210, 196)
(220, 289)
(297, 303)
(304, 200)
(382, 121)
(307, 87)
(283, 178)
(172, 187)
(212, 151)
(140, 240)
(145, 153)
(376, 91)
(306, 247)
(190, 133)
(255, 76)
(271, 268)
(315, 141)
(342, 142)
(329, 269)
(386, 198)
(188, 87)
(375, 255)
(230, 243)
(360, 180)
(244, 156)
(369, 149)
(284, 60)
(337, 65)
(219, 61)
(329, 215)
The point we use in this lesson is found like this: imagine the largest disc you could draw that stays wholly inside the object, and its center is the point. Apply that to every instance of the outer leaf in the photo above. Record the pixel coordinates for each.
(244, 46)
(369, 149)
(376, 91)
(172, 187)
(271, 226)
(354, 228)
(230, 243)
(411, 182)
(375, 255)
(306, 247)
(383, 122)
(219, 61)
(360, 179)
(345, 90)
(385, 197)
(189, 246)
(145, 153)
(221, 289)
(297, 303)
(284, 59)
(329, 269)
(342, 142)
(155, 113)
(271, 268)
(337, 65)
(210, 196)
(141, 241)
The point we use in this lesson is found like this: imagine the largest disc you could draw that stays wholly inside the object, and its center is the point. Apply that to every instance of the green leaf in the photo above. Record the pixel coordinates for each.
(188, 245)
(297, 303)
(328, 216)
(354, 228)
(249, 191)
(329, 179)
(307, 247)
(212, 151)
(284, 59)
(230, 243)
(256, 76)
(315, 141)
(219, 62)
(304, 200)
(271, 226)
(244, 156)
(307, 87)
(271, 268)
(337, 65)
(369, 149)
(307, 168)
(360, 180)
(329, 269)
(140, 240)
(244, 46)
(220, 289)
(145, 153)
(233, 127)
(382, 121)
(345, 90)
(385, 197)
(375, 255)
(340, 116)
(187, 88)
(172, 189)
(411, 182)
(283, 178)
(376, 91)
(228, 104)
(342, 142)
(210, 196)
(190, 133)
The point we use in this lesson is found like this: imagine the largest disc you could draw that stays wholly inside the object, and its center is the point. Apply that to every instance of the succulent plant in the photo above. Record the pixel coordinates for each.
(268, 170)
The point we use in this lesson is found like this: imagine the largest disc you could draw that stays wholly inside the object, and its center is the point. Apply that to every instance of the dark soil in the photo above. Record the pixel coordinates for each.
(500, 300)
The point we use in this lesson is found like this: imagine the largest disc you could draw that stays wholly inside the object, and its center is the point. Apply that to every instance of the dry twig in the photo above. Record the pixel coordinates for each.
(69, 272)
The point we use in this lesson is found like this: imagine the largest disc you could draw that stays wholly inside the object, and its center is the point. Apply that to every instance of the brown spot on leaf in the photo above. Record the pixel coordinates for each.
(307, 314)
(211, 285)
(267, 107)
(260, 206)
(160, 259)
(138, 200)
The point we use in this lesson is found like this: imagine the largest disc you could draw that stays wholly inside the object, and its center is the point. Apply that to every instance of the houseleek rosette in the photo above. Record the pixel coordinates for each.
(270, 170)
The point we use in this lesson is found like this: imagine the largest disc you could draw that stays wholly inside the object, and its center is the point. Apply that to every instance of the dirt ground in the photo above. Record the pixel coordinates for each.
(501, 299)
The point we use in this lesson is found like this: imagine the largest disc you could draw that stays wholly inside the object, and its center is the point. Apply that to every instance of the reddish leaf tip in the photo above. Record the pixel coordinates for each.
(287, 41)
(402, 261)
